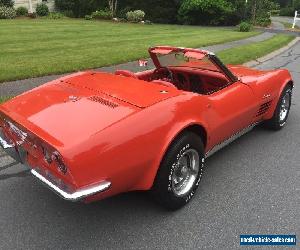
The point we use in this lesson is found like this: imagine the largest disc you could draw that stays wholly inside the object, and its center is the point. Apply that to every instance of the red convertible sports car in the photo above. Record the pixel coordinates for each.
(92, 135)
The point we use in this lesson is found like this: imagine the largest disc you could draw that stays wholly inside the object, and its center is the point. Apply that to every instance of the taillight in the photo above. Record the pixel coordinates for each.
(47, 156)
(59, 162)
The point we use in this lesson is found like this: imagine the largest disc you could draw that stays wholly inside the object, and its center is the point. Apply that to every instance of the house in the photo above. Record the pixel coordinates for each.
(31, 4)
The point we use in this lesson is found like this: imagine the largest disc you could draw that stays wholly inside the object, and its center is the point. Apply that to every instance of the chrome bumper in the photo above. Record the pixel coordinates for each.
(10, 149)
(78, 194)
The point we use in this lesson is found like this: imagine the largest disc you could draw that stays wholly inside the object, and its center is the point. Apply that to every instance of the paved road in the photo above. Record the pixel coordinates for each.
(252, 186)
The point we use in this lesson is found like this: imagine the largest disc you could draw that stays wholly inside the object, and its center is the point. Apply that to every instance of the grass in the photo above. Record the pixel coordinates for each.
(4, 98)
(31, 48)
(245, 53)
(242, 54)
(289, 25)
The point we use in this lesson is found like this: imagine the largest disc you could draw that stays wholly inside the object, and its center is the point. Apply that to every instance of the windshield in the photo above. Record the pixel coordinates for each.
(186, 59)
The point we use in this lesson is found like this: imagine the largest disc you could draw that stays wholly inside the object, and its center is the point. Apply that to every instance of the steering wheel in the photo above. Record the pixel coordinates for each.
(163, 70)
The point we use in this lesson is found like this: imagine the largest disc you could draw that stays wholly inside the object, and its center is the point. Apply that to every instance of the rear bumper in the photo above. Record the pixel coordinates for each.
(74, 196)
(13, 150)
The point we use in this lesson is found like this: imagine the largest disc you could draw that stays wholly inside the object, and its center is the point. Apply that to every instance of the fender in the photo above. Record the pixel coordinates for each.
(149, 177)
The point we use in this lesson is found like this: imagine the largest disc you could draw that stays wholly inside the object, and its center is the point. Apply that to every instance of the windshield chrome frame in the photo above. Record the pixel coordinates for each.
(210, 55)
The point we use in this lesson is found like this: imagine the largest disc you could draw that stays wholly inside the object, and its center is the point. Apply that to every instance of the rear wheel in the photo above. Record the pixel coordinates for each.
(281, 113)
(180, 172)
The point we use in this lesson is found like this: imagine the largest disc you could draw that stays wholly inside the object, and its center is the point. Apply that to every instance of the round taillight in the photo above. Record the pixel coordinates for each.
(47, 156)
(59, 162)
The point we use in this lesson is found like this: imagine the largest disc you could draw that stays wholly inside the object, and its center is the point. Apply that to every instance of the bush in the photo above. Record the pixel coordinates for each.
(22, 11)
(7, 12)
(244, 27)
(68, 13)
(135, 16)
(55, 15)
(274, 12)
(42, 9)
(264, 21)
(102, 14)
(80, 8)
(88, 17)
(7, 3)
(205, 12)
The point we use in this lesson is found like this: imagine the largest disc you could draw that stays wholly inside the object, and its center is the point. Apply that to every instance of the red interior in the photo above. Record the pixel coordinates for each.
(187, 79)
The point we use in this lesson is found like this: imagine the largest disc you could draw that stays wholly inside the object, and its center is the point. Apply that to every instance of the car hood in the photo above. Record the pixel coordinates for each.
(69, 111)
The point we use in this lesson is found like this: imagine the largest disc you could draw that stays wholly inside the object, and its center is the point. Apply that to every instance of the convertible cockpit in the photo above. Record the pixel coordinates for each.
(192, 70)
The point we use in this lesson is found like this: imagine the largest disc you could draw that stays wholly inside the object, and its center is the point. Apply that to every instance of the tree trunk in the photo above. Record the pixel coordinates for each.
(113, 4)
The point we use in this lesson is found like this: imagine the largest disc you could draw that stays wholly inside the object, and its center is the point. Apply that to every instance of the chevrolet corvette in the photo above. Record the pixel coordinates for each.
(92, 135)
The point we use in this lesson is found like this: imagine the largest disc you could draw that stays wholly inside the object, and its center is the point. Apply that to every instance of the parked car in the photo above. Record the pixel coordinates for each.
(91, 135)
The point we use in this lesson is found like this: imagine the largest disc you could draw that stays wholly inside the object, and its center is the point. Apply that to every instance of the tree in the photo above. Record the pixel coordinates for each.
(8, 3)
(113, 4)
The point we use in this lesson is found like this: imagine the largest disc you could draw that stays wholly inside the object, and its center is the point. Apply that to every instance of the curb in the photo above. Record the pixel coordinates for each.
(273, 54)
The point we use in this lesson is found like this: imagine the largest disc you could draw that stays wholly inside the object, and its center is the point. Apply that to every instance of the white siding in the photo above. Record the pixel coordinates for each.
(25, 3)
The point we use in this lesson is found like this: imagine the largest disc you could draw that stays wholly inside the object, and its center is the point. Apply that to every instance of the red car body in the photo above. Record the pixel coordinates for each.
(91, 135)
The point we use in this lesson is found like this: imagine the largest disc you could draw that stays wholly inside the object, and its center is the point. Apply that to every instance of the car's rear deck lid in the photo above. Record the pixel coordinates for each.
(127, 89)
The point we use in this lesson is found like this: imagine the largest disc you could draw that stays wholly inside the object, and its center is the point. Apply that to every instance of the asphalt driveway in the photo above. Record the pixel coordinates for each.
(251, 186)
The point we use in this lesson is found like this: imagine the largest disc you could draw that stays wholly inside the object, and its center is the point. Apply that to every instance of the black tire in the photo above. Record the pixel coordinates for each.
(163, 190)
(276, 122)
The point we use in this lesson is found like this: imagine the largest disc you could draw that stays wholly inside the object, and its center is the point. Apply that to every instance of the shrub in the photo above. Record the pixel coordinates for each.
(205, 12)
(68, 13)
(264, 21)
(244, 27)
(7, 12)
(135, 16)
(55, 15)
(7, 3)
(22, 11)
(274, 12)
(80, 8)
(42, 9)
(88, 17)
(102, 14)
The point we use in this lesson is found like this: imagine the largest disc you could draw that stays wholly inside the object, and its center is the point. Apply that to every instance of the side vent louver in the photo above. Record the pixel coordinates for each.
(263, 108)
(103, 101)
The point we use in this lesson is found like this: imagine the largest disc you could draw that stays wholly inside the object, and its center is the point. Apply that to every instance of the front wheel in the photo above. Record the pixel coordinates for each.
(281, 113)
(180, 172)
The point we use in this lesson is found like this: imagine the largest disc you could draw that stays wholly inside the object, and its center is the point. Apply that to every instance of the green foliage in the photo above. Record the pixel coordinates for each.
(22, 11)
(205, 12)
(274, 12)
(55, 15)
(7, 12)
(264, 21)
(7, 3)
(42, 9)
(68, 45)
(88, 17)
(244, 27)
(135, 16)
(80, 8)
(102, 14)
(4, 98)
(289, 10)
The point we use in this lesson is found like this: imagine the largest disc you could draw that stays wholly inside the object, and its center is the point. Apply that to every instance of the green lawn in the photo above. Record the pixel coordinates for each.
(30, 48)
(290, 26)
(245, 53)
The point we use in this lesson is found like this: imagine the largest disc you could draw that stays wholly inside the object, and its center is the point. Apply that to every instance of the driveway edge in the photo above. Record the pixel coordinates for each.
(273, 54)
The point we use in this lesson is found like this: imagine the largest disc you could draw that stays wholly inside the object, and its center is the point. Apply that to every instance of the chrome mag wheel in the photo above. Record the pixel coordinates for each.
(285, 106)
(185, 172)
